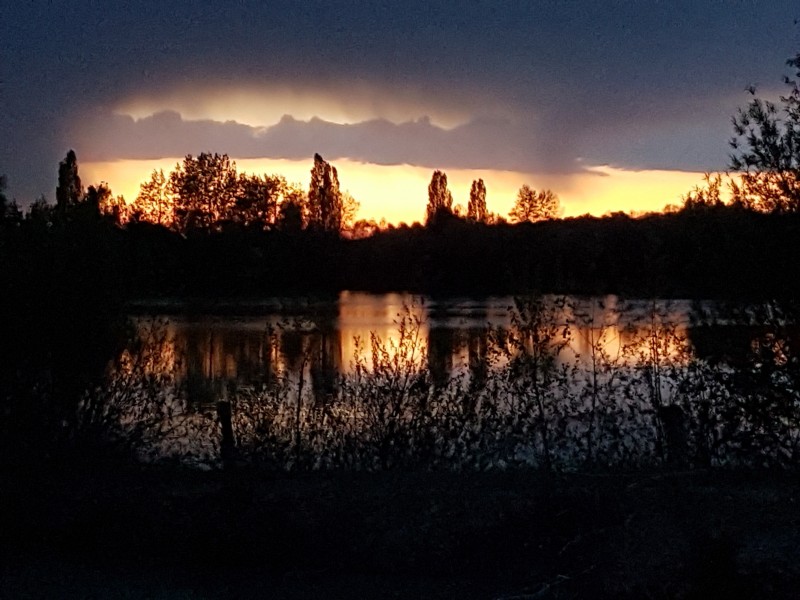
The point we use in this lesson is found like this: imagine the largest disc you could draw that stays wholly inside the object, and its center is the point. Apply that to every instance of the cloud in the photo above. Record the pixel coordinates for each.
(480, 144)
(343, 102)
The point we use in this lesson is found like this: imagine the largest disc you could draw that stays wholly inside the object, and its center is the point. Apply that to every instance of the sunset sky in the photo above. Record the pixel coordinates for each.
(613, 105)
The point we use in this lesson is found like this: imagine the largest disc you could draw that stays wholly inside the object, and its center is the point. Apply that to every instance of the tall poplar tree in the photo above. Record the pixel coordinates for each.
(440, 200)
(476, 209)
(69, 190)
(324, 197)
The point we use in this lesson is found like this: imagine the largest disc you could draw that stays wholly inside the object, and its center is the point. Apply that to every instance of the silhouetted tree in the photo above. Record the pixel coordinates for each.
(99, 200)
(324, 197)
(257, 199)
(767, 150)
(534, 206)
(116, 209)
(290, 216)
(69, 190)
(40, 212)
(440, 200)
(704, 197)
(350, 207)
(3, 198)
(293, 209)
(13, 215)
(476, 209)
(97, 195)
(364, 228)
(9, 211)
(204, 191)
(154, 202)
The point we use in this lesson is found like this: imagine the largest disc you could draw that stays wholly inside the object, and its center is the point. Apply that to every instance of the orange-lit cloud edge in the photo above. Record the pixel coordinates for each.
(398, 193)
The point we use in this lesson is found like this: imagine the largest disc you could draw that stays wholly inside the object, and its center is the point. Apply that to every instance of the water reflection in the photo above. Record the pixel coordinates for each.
(313, 345)
(253, 350)
(374, 381)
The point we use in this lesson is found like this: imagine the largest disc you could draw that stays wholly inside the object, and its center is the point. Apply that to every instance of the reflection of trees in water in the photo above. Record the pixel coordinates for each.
(761, 386)
(546, 391)
(441, 342)
(213, 359)
(312, 349)
(293, 348)
(478, 355)
(441, 345)
(325, 362)
(144, 408)
(460, 347)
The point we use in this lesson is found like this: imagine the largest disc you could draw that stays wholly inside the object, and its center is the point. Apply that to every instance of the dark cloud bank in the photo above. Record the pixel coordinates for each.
(478, 144)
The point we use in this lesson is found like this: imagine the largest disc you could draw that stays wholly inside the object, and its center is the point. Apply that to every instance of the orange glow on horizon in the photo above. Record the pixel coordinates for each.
(400, 193)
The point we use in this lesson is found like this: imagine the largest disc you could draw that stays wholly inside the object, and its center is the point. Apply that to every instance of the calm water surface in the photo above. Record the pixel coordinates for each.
(368, 381)
(274, 334)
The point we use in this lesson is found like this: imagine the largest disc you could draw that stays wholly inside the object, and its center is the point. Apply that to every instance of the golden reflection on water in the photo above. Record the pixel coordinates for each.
(637, 333)
(452, 336)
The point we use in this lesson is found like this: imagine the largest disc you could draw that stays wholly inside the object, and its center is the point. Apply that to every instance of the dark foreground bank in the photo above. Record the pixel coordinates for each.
(135, 532)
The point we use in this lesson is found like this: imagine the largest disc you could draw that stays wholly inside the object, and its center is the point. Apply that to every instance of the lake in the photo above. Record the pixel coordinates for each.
(368, 381)
(270, 335)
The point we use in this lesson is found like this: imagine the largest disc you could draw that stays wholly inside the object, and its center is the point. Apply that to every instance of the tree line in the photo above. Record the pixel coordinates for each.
(207, 193)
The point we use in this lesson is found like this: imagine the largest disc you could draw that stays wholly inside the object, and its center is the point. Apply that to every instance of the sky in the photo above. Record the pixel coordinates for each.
(612, 105)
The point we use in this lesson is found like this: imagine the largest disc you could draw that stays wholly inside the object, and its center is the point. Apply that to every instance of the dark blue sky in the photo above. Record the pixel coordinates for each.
(530, 85)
